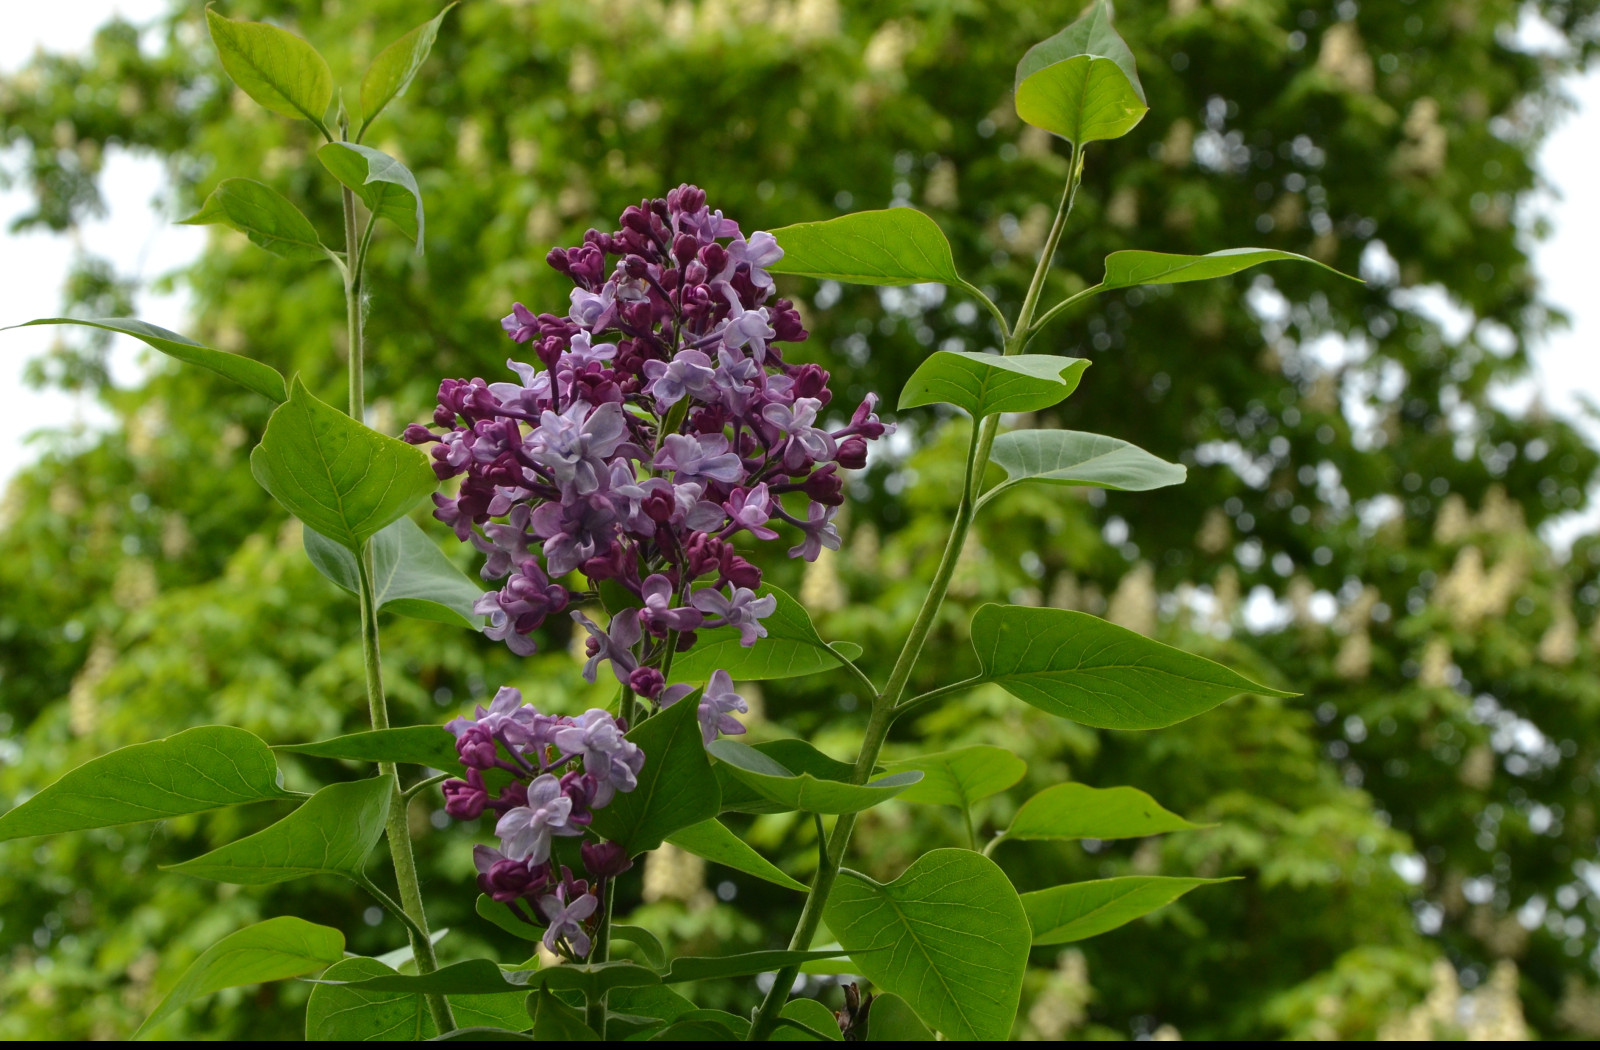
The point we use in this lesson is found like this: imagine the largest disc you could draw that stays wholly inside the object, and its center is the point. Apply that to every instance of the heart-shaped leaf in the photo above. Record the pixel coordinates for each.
(1071, 457)
(891, 1020)
(809, 1020)
(987, 384)
(961, 777)
(771, 780)
(555, 1021)
(1083, 909)
(949, 935)
(334, 473)
(252, 375)
(895, 246)
(410, 574)
(711, 840)
(430, 746)
(262, 214)
(1081, 83)
(1080, 667)
(268, 951)
(697, 968)
(1078, 811)
(339, 1013)
(395, 67)
(676, 788)
(196, 770)
(385, 186)
(273, 66)
(330, 835)
(791, 648)
(1127, 269)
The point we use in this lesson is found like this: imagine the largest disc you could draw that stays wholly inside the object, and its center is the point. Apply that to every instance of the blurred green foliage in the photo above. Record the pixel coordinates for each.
(1431, 796)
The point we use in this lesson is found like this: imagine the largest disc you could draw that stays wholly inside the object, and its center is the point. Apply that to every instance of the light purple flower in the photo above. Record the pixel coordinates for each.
(744, 611)
(687, 375)
(566, 920)
(521, 324)
(751, 510)
(607, 755)
(746, 327)
(820, 532)
(717, 705)
(614, 644)
(658, 611)
(506, 717)
(699, 456)
(594, 311)
(525, 831)
(575, 445)
(806, 442)
(759, 252)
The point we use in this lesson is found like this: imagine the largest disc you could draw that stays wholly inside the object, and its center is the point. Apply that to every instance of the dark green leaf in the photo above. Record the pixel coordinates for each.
(196, 770)
(791, 648)
(482, 1034)
(262, 214)
(593, 978)
(339, 476)
(395, 67)
(654, 1001)
(706, 968)
(705, 1026)
(504, 1010)
(555, 1021)
(268, 951)
(274, 67)
(807, 1020)
(644, 940)
(410, 574)
(712, 841)
(430, 746)
(949, 935)
(1081, 83)
(500, 915)
(252, 375)
(895, 246)
(1127, 269)
(330, 835)
(1083, 909)
(1080, 667)
(792, 754)
(385, 186)
(891, 1020)
(961, 777)
(676, 787)
(773, 781)
(1071, 457)
(471, 977)
(986, 384)
(338, 1012)
(1077, 811)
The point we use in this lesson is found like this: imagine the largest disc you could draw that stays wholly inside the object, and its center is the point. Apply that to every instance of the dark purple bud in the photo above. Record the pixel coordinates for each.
(786, 323)
(465, 799)
(559, 262)
(684, 248)
(636, 265)
(507, 880)
(705, 554)
(647, 682)
(686, 197)
(812, 381)
(417, 434)
(580, 788)
(825, 486)
(715, 256)
(637, 219)
(477, 748)
(740, 572)
(852, 453)
(604, 860)
(695, 273)
(686, 640)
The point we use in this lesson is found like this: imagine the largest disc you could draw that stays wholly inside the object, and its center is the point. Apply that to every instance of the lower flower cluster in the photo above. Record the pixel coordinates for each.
(543, 776)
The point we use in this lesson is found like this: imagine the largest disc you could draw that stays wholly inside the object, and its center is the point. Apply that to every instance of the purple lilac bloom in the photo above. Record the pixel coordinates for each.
(717, 705)
(744, 611)
(613, 761)
(525, 831)
(567, 920)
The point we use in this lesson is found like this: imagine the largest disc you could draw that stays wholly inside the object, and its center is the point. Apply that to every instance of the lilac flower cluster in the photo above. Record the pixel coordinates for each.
(660, 423)
(560, 771)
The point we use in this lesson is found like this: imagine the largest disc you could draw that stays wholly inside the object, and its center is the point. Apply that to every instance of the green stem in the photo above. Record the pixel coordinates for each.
(599, 952)
(398, 830)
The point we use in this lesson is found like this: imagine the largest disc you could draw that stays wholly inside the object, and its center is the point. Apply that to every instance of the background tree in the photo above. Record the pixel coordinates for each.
(1428, 798)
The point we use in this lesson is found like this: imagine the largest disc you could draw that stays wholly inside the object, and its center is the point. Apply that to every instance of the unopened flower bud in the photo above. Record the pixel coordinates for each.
(605, 860)
(852, 453)
(647, 682)
(684, 248)
(825, 486)
(465, 799)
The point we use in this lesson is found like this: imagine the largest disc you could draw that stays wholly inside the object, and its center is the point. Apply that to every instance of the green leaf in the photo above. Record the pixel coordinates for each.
(273, 66)
(430, 746)
(1081, 83)
(196, 770)
(891, 1020)
(986, 384)
(482, 1034)
(473, 976)
(338, 1012)
(707, 968)
(895, 246)
(554, 1020)
(395, 67)
(264, 215)
(676, 787)
(654, 1001)
(410, 574)
(1077, 811)
(1080, 667)
(338, 475)
(252, 375)
(1083, 909)
(791, 648)
(949, 935)
(1072, 457)
(961, 777)
(504, 1010)
(809, 1021)
(792, 754)
(385, 186)
(715, 1026)
(592, 978)
(330, 835)
(711, 840)
(268, 951)
(771, 780)
(644, 940)
(500, 915)
(1126, 269)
